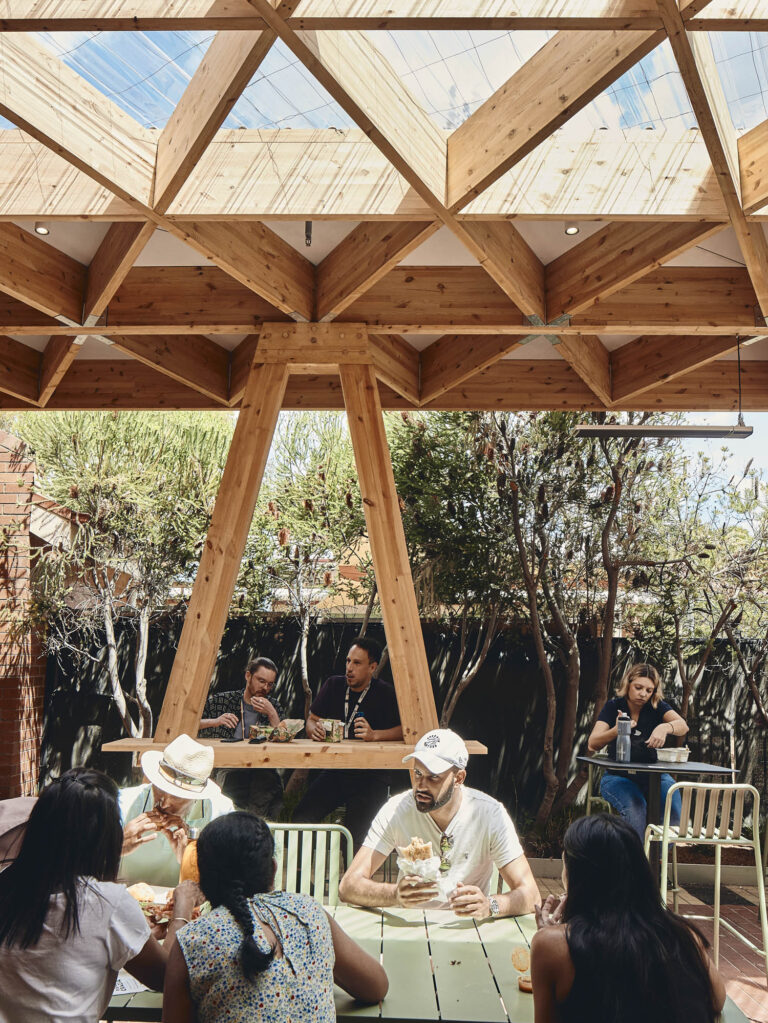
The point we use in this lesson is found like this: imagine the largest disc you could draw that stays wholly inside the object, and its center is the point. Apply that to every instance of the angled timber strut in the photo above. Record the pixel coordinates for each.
(439, 274)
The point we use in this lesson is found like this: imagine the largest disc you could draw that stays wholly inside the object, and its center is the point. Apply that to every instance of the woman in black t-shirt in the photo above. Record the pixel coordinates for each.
(639, 694)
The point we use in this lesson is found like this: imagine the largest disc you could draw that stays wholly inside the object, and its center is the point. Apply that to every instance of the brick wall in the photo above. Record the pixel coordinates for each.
(22, 666)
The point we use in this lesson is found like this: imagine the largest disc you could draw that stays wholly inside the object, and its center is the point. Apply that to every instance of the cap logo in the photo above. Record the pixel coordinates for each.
(431, 741)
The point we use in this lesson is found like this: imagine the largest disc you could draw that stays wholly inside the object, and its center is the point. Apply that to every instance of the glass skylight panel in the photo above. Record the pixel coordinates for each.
(144, 73)
(742, 63)
(453, 73)
(284, 94)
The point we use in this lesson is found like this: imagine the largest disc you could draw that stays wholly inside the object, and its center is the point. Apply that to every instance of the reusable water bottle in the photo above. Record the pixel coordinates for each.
(623, 744)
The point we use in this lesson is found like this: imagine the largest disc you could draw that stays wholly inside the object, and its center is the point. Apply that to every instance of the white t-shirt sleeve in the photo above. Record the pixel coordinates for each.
(381, 835)
(128, 930)
(505, 845)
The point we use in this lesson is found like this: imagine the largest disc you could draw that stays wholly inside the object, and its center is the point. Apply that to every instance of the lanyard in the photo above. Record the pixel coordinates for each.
(356, 707)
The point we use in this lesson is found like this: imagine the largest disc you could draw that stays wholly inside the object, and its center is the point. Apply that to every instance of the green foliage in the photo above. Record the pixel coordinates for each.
(143, 485)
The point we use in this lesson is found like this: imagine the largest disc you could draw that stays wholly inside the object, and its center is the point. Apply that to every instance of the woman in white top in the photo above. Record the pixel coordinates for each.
(66, 927)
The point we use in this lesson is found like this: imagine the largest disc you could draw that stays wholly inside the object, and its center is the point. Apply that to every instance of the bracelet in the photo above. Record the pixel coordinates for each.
(671, 727)
(182, 918)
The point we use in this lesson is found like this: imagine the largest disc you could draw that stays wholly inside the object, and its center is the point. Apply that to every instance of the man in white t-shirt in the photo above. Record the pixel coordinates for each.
(468, 829)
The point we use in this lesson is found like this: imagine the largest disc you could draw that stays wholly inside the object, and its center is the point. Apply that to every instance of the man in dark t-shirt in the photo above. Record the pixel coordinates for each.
(367, 707)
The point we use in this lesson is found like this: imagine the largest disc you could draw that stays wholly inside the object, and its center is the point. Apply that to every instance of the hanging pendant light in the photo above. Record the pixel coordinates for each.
(694, 430)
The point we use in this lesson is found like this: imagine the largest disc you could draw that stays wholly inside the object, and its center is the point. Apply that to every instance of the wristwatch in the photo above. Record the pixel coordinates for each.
(493, 902)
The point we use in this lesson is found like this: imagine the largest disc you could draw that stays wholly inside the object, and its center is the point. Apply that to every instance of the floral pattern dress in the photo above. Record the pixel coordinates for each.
(296, 987)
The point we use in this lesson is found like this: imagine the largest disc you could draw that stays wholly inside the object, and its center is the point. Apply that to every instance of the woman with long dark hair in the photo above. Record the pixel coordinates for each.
(640, 695)
(66, 927)
(610, 951)
(260, 954)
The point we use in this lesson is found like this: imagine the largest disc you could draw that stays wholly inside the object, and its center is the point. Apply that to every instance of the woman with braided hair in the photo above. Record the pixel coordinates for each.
(259, 954)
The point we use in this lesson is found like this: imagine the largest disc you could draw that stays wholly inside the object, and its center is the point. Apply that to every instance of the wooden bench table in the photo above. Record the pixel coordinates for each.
(439, 968)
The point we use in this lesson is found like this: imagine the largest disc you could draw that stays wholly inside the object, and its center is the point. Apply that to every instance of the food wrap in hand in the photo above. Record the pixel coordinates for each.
(416, 860)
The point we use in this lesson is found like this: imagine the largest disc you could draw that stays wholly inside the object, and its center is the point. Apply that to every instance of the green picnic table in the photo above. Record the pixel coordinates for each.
(439, 968)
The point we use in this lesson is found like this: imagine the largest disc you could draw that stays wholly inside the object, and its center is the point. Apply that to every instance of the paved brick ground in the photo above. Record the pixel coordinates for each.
(742, 969)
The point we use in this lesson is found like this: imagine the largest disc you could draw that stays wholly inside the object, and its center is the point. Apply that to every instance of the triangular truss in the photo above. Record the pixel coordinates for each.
(399, 179)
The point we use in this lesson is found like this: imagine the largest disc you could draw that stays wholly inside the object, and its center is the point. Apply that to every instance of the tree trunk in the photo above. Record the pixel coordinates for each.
(305, 620)
(368, 609)
(457, 687)
(142, 646)
(114, 675)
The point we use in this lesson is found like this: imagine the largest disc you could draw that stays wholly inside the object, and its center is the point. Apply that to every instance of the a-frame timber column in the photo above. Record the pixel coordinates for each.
(399, 610)
(305, 348)
(223, 552)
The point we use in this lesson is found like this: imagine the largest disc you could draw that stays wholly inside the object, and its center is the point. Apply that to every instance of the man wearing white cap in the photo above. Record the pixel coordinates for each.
(178, 795)
(469, 830)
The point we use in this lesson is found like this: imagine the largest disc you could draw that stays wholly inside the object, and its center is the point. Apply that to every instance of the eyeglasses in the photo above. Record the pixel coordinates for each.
(446, 851)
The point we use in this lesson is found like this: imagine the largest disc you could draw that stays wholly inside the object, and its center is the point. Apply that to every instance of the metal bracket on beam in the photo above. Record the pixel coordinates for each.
(536, 321)
(760, 320)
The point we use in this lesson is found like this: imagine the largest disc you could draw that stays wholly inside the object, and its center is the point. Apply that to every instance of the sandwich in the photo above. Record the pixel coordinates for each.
(167, 821)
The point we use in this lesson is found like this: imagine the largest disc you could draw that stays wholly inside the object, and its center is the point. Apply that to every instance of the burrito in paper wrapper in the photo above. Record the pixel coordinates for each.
(416, 859)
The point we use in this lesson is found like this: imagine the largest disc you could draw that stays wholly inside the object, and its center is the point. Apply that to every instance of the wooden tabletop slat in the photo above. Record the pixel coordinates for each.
(406, 959)
(463, 977)
(500, 938)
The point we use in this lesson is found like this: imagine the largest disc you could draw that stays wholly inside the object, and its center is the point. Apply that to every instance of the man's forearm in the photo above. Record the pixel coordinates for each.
(517, 902)
(364, 892)
(388, 734)
(207, 723)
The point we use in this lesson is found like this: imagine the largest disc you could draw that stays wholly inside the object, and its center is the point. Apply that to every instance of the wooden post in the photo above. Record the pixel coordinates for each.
(222, 554)
(390, 556)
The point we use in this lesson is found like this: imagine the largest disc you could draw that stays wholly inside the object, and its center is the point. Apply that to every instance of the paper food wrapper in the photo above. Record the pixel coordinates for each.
(334, 730)
(427, 870)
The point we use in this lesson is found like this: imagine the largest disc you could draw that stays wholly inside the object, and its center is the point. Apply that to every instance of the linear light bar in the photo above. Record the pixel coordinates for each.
(628, 430)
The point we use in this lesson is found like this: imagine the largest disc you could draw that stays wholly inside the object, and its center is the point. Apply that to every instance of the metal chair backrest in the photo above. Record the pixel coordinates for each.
(497, 888)
(715, 812)
(309, 859)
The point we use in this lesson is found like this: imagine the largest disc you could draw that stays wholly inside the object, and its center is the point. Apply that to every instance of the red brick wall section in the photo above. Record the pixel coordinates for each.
(22, 666)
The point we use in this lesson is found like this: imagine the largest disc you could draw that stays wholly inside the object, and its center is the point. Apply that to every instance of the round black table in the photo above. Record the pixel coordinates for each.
(653, 813)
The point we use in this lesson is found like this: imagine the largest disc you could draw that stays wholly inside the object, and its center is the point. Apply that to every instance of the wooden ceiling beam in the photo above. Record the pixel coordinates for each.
(58, 356)
(39, 275)
(454, 358)
(696, 62)
(533, 102)
(396, 364)
(588, 356)
(40, 94)
(111, 264)
(363, 257)
(415, 300)
(644, 364)
(312, 347)
(238, 15)
(613, 258)
(259, 259)
(511, 385)
(192, 360)
(505, 255)
(19, 370)
(753, 167)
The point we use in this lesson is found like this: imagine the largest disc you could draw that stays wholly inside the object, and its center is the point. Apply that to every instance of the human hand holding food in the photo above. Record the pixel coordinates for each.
(226, 721)
(412, 890)
(469, 900)
(137, 831)
(315, 729)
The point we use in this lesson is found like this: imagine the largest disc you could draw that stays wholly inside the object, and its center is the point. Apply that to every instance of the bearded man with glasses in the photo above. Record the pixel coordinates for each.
(469, 830)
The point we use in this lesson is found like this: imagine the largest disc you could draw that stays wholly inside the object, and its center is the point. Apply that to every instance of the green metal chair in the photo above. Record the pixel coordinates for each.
(593, 773)
(713, 815)
(309, 859)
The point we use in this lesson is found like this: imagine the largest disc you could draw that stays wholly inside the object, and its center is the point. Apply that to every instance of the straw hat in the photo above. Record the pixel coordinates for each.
(182, 769)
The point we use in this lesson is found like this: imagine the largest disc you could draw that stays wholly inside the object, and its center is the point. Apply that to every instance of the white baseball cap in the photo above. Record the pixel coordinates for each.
(439, 750)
